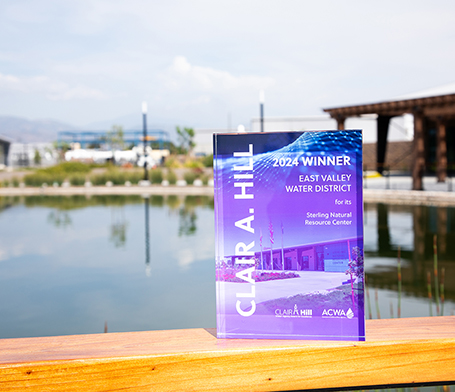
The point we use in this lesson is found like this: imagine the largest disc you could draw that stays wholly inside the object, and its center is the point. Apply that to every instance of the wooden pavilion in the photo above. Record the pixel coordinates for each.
(5, 144)
(434, 129)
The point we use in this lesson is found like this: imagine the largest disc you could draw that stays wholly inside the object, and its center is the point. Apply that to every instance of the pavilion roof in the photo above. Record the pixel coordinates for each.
(5, 139)
(434, 102)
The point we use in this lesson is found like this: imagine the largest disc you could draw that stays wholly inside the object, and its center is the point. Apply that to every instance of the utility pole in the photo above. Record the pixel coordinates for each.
(261, 108)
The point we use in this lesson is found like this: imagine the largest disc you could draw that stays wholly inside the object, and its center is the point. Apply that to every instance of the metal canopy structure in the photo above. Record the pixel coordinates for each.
(434, 115)
(87, 138)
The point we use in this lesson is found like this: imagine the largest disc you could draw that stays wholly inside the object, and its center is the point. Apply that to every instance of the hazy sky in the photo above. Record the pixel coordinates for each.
(198, 63)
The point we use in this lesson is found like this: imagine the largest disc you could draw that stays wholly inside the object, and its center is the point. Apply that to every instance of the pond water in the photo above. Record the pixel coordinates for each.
(76, 265)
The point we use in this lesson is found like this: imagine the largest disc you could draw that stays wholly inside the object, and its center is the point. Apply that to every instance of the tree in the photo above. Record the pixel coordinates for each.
(115, 137)
(185, 138)
(37, 157)
(61, 147)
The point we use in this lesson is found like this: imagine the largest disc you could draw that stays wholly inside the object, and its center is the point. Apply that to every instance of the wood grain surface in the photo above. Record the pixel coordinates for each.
(396, 351)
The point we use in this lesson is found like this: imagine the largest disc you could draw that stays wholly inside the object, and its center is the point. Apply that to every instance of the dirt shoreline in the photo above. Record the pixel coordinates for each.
(430, 198)
(427, 198)
(109, 190)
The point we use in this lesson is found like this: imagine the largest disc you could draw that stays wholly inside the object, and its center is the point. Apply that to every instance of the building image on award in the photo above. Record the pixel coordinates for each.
(332, 256)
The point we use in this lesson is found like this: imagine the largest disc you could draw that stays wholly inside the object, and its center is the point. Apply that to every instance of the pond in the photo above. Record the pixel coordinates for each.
(77, 265)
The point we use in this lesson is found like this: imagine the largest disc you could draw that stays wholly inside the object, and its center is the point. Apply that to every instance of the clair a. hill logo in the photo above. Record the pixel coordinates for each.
(296, 312)
(338, 313)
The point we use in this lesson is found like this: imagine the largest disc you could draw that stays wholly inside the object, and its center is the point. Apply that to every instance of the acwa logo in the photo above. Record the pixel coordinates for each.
(339, 313)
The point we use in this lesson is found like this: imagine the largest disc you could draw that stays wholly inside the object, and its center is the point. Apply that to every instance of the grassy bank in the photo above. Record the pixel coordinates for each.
(81, 174)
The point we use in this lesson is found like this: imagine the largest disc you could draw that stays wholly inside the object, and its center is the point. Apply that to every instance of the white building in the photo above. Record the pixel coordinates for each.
(23, 154)
(203, 139)
(401, 128)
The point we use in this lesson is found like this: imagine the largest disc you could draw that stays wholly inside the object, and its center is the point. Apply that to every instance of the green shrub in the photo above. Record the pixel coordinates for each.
(39, 178)
(59, 178)
(189, 177)
(15, 181)
(32, 179)
(117, 177)
(194, 164)
(98, 179)
(207, 161)
(171, 177)
(134, 176)
(77, 179)
(68, 167)
(156, 176)
(172, 163)
(205, 179)
(74, 171)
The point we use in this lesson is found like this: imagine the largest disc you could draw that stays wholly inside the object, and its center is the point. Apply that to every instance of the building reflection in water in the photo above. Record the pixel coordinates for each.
(185, 207)
(412, 229)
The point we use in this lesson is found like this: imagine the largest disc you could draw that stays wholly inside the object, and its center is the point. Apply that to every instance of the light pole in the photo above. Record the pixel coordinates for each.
(261, 108)
(144, 127)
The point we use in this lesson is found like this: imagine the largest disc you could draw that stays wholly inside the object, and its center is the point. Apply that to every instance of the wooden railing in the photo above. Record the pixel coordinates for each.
(418, 351)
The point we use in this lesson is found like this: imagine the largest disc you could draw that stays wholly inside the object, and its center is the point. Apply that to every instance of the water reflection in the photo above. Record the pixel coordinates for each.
(79, 261)
(157, 200)
(73, 279)
(148, 270)
(75, 202)
(59, 218)
(184, 206)
(187, 225)
(410, 230)
(118, 227)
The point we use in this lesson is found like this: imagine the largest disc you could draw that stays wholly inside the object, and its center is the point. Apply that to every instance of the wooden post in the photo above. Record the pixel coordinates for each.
(384, 244)
(381, 145)
(442, 230)
(441, 150)
(340, 122)
(419, 223)
(419, 152)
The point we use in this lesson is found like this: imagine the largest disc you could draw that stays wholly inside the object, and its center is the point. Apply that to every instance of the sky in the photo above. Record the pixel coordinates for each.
(91, 63)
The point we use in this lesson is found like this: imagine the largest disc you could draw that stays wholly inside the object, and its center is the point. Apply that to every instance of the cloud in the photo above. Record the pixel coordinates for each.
(13, 249)
(186, 257)
(181, 75)
(187, 92)
(198, 248)
(196, 62)
(52, 89)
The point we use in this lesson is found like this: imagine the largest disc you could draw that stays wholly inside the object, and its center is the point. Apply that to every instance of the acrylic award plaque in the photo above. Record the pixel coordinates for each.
(289, 235)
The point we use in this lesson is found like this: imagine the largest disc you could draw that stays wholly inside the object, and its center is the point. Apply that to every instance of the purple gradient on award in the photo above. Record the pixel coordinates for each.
(289, 235)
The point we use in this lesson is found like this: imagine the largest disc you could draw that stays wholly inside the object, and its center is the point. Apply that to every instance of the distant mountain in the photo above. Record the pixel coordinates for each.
(22, 130)
(131, 122)
(128, 122)
(31, 131)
